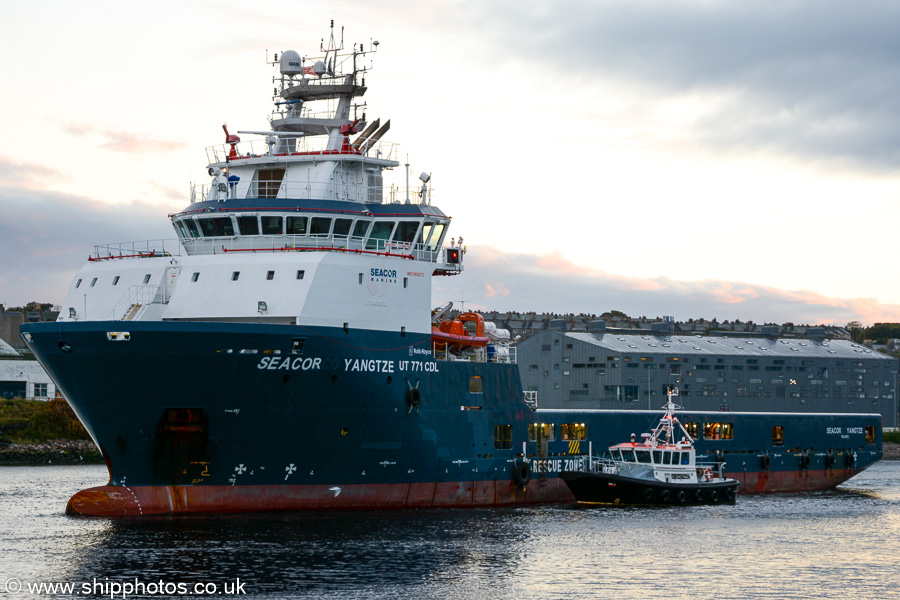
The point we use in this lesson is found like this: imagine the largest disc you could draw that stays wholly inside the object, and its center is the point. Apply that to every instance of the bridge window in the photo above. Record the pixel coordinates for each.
(272, 225)
(643, 456)
(406, 231)
(295, 226)
(320, 226)
(192, 228)
(342, 227)
(503, 437)
(431, 236)
(217, 227)
(179, 225)
(361, 228)
(381, 233)
(248, 225)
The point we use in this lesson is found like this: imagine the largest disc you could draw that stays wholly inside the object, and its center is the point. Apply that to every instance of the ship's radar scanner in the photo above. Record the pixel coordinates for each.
(291, 63)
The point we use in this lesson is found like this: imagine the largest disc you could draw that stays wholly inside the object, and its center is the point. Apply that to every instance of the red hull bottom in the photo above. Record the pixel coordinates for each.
(114, 500)
(766, 482)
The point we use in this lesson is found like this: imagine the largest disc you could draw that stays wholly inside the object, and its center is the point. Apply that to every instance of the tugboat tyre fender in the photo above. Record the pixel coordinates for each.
(765, 461)
(521, 474)
(714, 496)
(665, 496)
(729, 494)
(413, 396)
(698, 495)
(649, 495)
(682, 497)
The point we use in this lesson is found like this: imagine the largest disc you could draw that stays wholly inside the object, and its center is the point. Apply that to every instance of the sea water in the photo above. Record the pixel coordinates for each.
(840, 544)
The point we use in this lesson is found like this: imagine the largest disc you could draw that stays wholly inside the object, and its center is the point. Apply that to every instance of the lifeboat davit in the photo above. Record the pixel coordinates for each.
(454, 335)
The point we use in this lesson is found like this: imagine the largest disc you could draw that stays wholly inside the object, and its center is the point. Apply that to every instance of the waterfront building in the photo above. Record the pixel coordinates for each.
(615, 370)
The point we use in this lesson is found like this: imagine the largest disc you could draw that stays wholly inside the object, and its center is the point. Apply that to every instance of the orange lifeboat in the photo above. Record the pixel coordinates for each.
(455, 335)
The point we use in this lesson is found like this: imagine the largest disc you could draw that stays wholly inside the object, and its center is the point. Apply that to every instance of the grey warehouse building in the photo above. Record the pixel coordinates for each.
(713, 373)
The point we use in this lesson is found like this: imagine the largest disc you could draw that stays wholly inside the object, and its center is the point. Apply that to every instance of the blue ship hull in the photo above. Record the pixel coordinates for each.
(236, 417)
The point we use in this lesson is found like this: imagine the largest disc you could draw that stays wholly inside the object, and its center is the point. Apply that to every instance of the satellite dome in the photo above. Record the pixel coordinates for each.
(291, 63)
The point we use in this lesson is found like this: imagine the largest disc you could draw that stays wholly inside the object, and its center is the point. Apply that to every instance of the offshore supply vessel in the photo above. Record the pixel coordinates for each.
(283, 353)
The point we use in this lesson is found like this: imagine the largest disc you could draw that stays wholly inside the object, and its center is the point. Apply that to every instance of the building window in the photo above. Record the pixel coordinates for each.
(40, 390)
(503, 437)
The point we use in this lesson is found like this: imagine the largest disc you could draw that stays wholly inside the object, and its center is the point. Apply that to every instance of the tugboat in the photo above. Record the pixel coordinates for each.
(655, 470)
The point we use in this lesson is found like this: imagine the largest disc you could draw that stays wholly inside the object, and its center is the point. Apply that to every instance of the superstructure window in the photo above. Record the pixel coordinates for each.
(78, 283)
(718, 431)
(342, 227)
(361, 228)
(147, 278)
(778, 435)
(116, 280)
(475, 384)
(541, 432)
(93, 281)
(431, 235)
(195, 277)
(300, 274)
(406, 232)
(272, 225)
(192, 228)
(320, 226)
(296, 225)
(380, 234)
(248, 225)
(235, 275)
(573, 431)
(503, 437)
(217, 227)
(268, 181)
(270, 275)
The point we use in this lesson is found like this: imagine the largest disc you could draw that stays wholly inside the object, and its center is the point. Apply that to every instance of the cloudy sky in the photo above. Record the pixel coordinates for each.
(659, 157)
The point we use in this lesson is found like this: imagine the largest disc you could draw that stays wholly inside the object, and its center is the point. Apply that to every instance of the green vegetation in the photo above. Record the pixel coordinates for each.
(32, 307)
(891, 436)
(30, 421)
